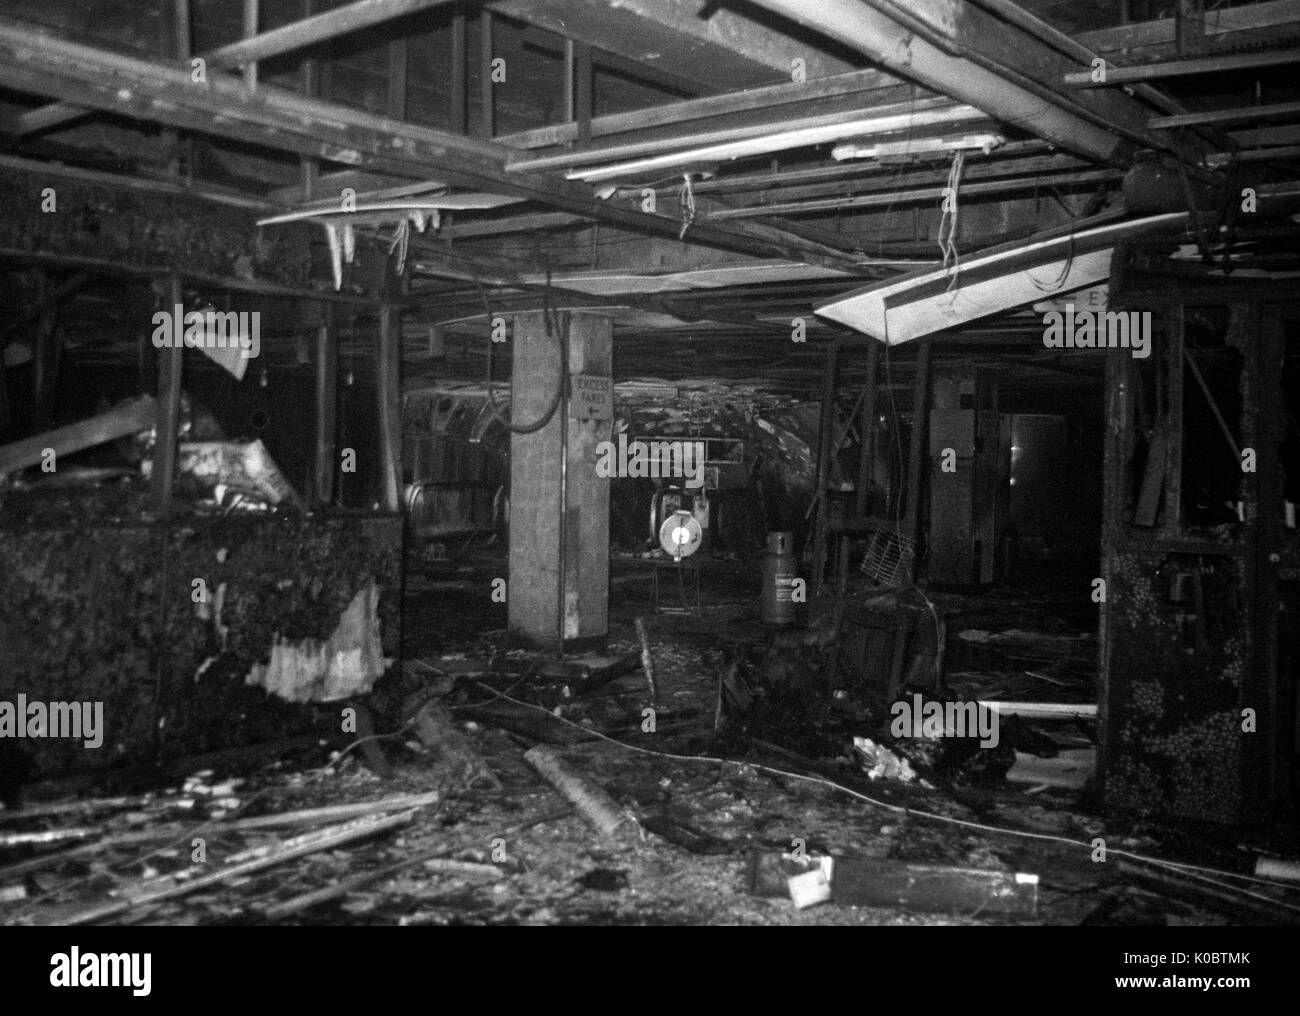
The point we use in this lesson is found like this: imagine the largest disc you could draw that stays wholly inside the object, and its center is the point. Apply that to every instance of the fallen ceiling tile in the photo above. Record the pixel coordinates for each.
(922, 303)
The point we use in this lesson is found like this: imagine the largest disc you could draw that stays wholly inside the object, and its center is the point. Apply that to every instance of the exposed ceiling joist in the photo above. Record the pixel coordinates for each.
(689, 38)
(792, 96)
(40, 62)
(1002, 68)
(298, 35)
(1222, 28)
(1224, 117)
(1182, 68)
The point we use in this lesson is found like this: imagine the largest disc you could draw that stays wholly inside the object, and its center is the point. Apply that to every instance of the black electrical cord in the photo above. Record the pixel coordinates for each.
(552, 328)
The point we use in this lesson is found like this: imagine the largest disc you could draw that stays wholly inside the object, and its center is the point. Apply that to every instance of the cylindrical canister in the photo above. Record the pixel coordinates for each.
(780, 576)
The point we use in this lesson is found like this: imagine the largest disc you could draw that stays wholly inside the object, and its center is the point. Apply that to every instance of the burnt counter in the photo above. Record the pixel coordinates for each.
(163, 621)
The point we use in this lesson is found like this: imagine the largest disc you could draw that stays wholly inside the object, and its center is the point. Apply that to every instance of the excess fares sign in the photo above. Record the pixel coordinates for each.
(592, 397)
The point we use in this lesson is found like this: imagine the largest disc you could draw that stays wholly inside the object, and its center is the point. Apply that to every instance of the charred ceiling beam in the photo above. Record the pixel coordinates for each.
(921, 195)
(690, 39)
(285, 39)
(1226, 27)
(1002, 68)
(38, 61)
(1218, 64)
(792, 98)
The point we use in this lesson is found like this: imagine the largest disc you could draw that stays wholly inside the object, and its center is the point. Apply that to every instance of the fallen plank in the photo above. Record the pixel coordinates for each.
(48, 836)
(596, 807)
(869, 882)
(587, 674)
(1043, 710)
(73, 807)
(129, 417)
(332, 813)
(647, 661)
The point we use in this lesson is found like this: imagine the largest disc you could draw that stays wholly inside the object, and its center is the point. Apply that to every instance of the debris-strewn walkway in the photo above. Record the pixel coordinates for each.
(646, 824)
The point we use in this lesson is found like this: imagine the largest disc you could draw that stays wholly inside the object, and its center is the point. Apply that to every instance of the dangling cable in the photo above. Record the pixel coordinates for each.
(552, 328)
(686, 196)
(948, 219)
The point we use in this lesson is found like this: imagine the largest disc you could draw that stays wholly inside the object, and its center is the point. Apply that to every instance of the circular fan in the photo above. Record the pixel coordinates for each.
(680, 535)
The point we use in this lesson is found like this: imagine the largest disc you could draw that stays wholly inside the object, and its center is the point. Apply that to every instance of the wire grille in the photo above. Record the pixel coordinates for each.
(888, 560)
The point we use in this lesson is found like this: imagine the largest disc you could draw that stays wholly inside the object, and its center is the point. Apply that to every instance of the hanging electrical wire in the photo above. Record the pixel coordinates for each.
(551, 322)
(948, 218)
(686, 196)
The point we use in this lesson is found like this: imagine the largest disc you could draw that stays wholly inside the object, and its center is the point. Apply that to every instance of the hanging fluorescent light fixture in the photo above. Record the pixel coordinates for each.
(917, 146)
(781, 141)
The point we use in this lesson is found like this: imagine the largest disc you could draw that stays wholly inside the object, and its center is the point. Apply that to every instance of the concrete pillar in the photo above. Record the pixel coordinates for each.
(558, 594)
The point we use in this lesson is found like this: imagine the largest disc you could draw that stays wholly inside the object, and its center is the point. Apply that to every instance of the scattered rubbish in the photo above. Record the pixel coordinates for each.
(242, 469)
(881, 883)
(882, 764)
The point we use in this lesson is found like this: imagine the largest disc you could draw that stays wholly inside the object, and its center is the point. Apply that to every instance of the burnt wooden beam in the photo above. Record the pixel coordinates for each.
(487, 87)
(1223, 117)
(673, 114)
(1182, 68)
(327, 383)
(128, 418)
(167, 433)
(1224, 27)
(825, 439)
(254, 47)
(459, 74)
(1009, 70)
(46, 356)
(36, 60)
(690, 40)
(388, 388)
(397, 73)
(1175, 318)
(867, 427)
(916, 451)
